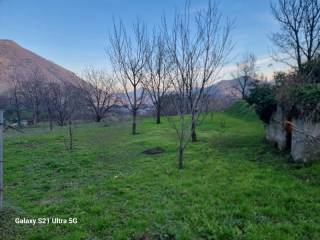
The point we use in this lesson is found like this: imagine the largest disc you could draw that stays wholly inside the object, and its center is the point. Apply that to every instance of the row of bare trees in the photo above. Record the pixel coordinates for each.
(98, 92)
(37, 95)
(60, 101)
(176, 62)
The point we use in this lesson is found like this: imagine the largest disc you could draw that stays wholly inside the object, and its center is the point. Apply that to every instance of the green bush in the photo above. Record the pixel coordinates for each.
(310, 71)
(263, 98)
(307, 100)
(297, 92)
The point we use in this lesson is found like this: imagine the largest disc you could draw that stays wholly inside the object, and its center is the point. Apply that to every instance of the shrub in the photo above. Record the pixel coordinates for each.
(263, 98)
(307, 101)
(310, 71)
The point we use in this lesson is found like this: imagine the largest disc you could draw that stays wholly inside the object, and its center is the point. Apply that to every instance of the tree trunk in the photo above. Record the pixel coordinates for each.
(70, 135)
(158, 113)
(181, 157)
(193, 129)
(34, 116)
(134, 111)
(51, 124)
(299, 59)
(134, 122)
(17, 108)
(98, 118)
(243, 94)
(50, 120)
(18, 117)
(60, 119)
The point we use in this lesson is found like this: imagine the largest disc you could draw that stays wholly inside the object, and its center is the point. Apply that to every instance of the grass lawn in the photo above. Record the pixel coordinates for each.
(234, 185)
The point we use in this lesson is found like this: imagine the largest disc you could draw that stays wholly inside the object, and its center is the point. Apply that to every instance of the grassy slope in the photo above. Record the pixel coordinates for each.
(234, 185)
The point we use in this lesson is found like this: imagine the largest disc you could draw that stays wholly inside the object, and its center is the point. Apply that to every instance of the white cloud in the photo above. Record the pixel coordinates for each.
(265, 65)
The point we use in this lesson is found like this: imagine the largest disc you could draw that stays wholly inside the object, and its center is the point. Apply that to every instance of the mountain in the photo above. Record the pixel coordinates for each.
(224, 94)
(13, 56)
(228, 88)
(23, 61)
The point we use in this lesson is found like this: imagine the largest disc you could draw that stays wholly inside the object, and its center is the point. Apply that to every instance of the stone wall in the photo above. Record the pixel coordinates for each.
(305, 141)
(275, 130)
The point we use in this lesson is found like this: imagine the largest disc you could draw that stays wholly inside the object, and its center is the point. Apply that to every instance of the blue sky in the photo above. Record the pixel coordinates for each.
(74, 33)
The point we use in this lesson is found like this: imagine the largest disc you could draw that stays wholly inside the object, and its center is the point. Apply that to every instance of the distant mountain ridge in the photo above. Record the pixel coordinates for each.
(222, 93)
(24, 61)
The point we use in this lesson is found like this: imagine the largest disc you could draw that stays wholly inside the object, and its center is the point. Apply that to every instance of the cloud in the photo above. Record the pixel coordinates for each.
(265, 65)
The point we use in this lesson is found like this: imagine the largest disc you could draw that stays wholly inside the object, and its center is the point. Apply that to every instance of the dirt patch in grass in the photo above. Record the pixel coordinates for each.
(153, 151)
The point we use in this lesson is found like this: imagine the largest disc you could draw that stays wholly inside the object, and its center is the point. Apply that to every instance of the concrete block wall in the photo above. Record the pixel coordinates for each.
(275, 130)
(305, 141)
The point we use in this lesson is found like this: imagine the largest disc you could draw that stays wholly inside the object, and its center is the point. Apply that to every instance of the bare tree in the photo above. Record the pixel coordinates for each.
(128, 55)
(157, 68)
(59, 104)
(98, 91)
(48, 99)
(31, 90)
(16, 93)
(299, 37)
(70, 134)
(198, 51)
(245, 74)
(65, 101)
(65, 104)
(73, 104)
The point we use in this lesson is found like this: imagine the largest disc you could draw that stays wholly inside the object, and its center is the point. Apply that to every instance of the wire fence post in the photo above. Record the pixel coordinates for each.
(1, 158)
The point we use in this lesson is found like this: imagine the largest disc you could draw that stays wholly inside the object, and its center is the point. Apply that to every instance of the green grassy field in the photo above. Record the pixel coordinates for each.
(234, 185)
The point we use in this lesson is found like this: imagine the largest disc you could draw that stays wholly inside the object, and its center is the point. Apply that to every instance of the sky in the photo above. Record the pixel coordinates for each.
(74, 33)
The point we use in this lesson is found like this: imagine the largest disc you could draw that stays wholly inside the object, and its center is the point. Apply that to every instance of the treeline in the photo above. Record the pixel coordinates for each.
(35, 98)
